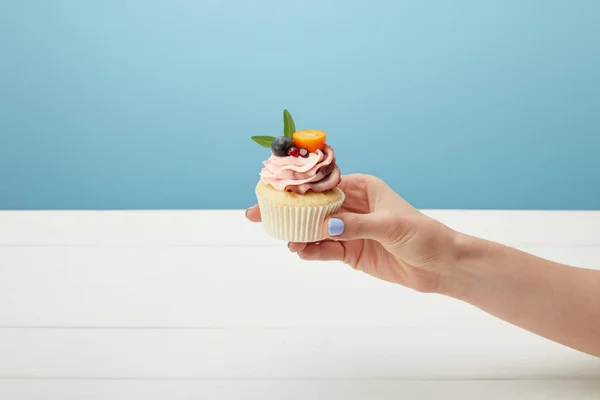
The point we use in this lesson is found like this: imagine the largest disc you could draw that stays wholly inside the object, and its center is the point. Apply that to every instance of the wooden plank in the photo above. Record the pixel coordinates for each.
(216, 287)
(99, 303)
(170, 228)
(336, 353)
(226, 228)
(202, 287)
(579, 389)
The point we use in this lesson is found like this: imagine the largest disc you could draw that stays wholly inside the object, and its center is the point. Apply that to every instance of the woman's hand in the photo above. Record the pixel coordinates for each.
(380, 234)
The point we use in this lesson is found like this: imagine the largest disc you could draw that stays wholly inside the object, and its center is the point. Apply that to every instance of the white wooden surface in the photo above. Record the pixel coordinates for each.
(201, 304)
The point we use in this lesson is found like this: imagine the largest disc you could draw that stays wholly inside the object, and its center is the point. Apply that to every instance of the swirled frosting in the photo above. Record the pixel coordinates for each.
(317, 172)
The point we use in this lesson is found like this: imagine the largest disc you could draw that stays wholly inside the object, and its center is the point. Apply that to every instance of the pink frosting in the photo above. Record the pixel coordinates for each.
(317, 172)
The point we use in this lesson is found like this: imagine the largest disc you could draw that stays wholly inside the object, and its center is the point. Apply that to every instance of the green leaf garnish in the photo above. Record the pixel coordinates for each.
(264, 141)
(288, 124)
(289, 127)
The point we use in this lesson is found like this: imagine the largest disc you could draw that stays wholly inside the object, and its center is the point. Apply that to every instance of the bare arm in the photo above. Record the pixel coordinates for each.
(556, 301)
(379, 233)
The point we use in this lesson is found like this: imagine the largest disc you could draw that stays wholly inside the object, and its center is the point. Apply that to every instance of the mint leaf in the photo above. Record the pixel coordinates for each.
(264, 141)
(288, 124)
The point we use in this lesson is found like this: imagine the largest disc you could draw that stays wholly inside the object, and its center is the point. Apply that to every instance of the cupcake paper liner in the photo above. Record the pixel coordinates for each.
(295, 223)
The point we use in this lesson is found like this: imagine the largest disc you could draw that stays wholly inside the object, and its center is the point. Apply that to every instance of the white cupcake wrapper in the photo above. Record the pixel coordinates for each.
(295, 223)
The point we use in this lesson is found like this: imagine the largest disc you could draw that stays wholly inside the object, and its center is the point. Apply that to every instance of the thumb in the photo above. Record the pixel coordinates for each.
(349, 226)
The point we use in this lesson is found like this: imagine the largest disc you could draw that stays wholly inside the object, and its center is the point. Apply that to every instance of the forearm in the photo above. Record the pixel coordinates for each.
(559, 302)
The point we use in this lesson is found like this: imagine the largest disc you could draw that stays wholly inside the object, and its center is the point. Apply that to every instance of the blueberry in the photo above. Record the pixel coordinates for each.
(280, 146)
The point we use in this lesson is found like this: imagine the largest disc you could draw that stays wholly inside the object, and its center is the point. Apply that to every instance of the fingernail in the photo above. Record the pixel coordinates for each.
(246, 212)
(335, 227)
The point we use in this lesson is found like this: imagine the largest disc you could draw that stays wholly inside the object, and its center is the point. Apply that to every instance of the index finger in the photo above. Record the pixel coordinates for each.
(253, 213)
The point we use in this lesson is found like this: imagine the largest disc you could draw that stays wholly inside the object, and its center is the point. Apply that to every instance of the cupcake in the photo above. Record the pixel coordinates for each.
(298, 185)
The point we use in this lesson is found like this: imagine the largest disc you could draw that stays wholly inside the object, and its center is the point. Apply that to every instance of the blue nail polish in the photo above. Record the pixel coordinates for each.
(335, 227)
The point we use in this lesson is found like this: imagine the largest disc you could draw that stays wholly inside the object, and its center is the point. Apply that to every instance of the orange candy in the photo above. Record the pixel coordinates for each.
(310, 139)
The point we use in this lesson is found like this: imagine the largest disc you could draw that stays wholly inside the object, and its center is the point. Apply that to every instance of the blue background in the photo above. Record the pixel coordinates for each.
(150, 104)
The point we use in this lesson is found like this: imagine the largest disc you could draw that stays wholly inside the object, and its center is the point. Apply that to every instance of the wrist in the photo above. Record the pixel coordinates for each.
(461, 272)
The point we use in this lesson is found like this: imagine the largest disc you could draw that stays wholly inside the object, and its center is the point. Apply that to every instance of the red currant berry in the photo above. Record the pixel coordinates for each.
(304, 153)
(293, 151)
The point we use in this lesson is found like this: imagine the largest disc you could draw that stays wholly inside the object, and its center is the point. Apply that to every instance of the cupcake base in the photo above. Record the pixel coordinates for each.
(294, 217)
